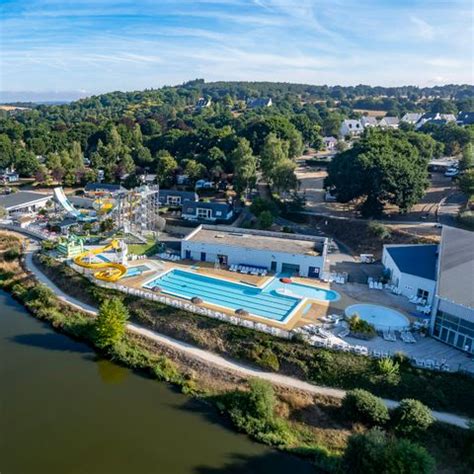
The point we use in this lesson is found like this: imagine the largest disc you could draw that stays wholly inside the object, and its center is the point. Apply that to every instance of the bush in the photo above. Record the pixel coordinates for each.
(379, 230)
(411, 417)
(360, 405)
(388, 370)
(265, 220)
(11, 254)
(375, 453)
(359, 326)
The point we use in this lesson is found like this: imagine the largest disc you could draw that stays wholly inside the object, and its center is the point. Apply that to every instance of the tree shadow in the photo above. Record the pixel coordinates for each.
(271, 462)
(51, 342)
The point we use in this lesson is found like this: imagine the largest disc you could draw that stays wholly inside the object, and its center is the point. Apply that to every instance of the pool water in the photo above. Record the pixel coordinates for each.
(265, 302)
(380, 317)
(138, 270)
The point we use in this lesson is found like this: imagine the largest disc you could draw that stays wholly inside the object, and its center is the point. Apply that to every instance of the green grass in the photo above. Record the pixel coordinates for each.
(150, 248)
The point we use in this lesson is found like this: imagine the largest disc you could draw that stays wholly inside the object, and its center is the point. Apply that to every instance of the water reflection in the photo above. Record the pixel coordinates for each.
(110, 373)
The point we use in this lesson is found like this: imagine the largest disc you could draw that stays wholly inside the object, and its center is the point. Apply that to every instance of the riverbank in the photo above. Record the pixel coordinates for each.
(315, 422)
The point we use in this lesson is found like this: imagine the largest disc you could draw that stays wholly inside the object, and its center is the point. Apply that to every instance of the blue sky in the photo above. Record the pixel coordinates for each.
(102, 45)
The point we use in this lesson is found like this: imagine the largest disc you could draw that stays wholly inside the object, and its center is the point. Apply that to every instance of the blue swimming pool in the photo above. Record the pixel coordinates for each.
(134, 271)
(266, 302)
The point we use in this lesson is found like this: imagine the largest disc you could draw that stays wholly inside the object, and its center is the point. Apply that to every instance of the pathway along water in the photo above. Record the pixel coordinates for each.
(62, 410)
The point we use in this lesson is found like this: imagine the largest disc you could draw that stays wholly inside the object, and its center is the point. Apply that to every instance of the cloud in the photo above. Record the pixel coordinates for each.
(423, 29)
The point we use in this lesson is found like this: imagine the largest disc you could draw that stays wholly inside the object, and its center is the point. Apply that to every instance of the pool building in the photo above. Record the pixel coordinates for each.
(277, 252)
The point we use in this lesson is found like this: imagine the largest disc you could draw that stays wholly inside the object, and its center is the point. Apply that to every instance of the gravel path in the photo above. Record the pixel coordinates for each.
(211, 358)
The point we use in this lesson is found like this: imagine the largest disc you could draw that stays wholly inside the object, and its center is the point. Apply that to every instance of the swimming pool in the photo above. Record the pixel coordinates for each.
(138, 270)
(380, 317)
(266, 302)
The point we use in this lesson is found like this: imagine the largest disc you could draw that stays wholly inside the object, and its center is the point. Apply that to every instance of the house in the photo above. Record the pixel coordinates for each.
(207, 211)
(24, 202)
(278, 252)
(97, 189)
(330, 143)
(203, 103)
(465, 118)
(368, 122)
(259, 102)
(411, 118)
(350, 127)
(172, 197)
(389, 122)
(412, 269)
(452, 317)
(435, 118)
(9, 177)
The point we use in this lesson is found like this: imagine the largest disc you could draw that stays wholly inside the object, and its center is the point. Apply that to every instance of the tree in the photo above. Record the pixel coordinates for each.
(110, 323)
(467, 160)
(466, 182)
(381, 168)
(360, 405)
(273, 151)
(194, 170)
(25, 162)
(411, 417)
(374, 452)
(166, 166)
(245, 166)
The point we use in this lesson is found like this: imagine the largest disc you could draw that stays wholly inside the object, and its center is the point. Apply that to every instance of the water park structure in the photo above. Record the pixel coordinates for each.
(106, 269)
(71, 246)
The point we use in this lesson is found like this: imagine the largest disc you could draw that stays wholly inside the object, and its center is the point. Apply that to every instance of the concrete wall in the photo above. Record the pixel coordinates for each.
(407, 284)
(260, 258)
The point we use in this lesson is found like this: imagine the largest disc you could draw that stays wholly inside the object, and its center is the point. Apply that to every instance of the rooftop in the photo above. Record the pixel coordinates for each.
(21, 198)
(418, 260)
(456, 269)
(258, 240)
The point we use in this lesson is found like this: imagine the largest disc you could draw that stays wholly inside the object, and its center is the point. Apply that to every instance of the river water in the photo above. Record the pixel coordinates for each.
(64, 411)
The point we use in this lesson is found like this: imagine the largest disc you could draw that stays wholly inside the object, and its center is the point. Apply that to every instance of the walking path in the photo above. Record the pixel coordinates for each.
(215, 359)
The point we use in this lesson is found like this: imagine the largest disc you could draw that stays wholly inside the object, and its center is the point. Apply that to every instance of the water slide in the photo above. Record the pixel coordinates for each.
(64, 201)
(107, 271)
(68, 207)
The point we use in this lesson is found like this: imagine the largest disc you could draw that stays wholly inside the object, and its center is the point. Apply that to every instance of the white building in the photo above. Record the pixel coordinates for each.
(351, 127)
(411, 118)
(389, 122)
(412, 269)
(23, 202)
(452, 318)
(330, 143)
(368, 122)
(278, 252)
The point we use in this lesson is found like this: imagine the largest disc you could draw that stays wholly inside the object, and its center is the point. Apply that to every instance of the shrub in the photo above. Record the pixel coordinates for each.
(11, 254)
(374, 453)
(388, 370)
(166, 369)
(360, 405)
(265, 220)
(359, 326)
(379, 230)
(411, 417)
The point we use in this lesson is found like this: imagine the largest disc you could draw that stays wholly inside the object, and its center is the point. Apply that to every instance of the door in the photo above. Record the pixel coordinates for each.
(188, 255)
(273, 267)
(203, 256)
(290, 268)
(313, 272)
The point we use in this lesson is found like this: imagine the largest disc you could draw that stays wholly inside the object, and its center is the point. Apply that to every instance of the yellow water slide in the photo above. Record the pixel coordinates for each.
(108, 271)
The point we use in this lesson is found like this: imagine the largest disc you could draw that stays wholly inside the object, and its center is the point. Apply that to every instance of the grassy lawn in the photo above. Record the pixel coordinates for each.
(150, 248)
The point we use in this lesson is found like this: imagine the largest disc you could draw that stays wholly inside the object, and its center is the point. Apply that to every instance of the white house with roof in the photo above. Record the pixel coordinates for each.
(24, 202)
(389, 122)
(411, 118)
(329, 143)
(452, 317)
(351, 127)
(412, 269)
(278, 252)
(368, 122)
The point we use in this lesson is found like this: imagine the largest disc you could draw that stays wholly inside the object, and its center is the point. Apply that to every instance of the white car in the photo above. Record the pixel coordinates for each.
(451, 172)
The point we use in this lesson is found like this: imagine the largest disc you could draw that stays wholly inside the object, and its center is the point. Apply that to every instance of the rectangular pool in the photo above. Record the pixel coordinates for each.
(256, 301)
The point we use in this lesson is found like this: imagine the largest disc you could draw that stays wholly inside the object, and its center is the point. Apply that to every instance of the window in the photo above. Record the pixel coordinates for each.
(422, 294)
(204, 213)
(173, 200)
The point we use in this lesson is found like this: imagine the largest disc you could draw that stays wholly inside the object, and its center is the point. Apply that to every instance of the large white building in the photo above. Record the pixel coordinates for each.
(23, 202)
(452, 319)
(278, 252)
(412, 269)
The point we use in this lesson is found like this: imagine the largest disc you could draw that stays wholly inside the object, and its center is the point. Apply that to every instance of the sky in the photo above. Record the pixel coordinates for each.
(61, 47)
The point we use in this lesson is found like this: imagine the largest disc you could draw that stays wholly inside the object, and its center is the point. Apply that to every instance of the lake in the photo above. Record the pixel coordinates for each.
(64, 411)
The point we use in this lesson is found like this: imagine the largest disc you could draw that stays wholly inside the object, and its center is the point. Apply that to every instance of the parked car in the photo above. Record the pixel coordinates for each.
(451, 172)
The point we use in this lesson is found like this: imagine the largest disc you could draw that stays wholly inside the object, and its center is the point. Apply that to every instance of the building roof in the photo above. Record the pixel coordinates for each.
(369, 121)
(259, 102)
(215, 206)
(411, 117)
(456, 267)
(258, 240)
(390, 120)
(105, 186)
(466, 118)
(417, 260)
(185, 195)
(330, 139)
(21, 199)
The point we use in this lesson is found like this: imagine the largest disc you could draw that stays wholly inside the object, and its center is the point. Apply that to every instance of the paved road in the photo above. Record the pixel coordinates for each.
(449, 208)
(219, 361)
